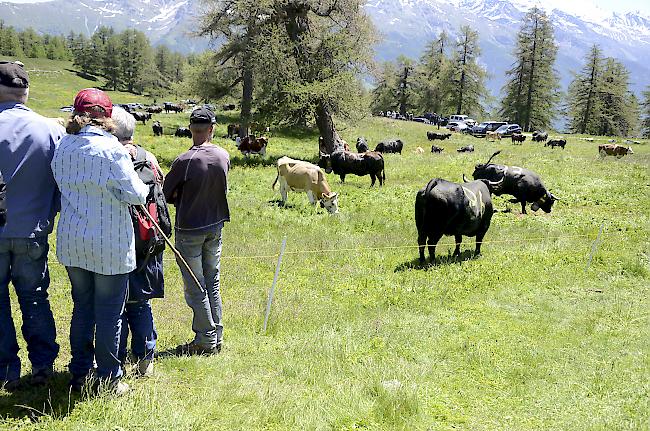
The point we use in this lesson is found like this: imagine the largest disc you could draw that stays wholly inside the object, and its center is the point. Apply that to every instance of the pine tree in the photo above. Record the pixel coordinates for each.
(136, 62)
(585, 107)
(431, 70)
(464, 82)
(111, 62)
(532, 91)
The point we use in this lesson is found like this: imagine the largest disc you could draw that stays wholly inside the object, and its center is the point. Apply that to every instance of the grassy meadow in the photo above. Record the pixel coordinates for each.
(360, 336)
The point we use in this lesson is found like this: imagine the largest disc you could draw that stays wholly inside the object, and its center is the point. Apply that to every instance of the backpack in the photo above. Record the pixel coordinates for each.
(148, 241)
(3, 201)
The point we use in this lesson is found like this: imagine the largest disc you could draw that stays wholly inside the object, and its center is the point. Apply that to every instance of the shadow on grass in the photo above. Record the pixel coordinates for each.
(83, 75)
(278, 203)
(32, 402)
(440, 260)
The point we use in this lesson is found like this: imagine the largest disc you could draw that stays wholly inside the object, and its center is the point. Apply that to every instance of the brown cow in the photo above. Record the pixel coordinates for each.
(614, 150)
(492, 136)
(250, 145)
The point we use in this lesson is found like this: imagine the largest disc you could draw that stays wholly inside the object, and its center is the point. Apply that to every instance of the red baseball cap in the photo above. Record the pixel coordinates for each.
(90, 99)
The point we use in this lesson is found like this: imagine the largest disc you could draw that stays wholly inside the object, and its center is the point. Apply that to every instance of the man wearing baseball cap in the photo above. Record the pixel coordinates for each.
(94, 237)
(27, 143)
(197, 184)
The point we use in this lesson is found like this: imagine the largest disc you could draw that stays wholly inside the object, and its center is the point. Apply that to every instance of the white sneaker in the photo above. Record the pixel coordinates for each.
(145, 367)
(120, 388)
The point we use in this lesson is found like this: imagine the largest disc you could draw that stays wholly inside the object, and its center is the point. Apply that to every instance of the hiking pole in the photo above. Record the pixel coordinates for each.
(169, 243)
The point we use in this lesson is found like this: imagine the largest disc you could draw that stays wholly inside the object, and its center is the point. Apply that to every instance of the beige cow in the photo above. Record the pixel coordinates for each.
(298, 175)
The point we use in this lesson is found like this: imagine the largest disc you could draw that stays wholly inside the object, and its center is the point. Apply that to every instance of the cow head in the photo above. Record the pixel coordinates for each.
(330, 202)
(481, 168)
(545, 203)
(629, 150)
(325, 162)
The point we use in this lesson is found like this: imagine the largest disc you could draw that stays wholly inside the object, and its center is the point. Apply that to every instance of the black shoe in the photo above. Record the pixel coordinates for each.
(193, 348)
(42, 376)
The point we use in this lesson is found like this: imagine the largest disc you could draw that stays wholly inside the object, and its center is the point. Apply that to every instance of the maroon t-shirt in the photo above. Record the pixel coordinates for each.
(197, 184)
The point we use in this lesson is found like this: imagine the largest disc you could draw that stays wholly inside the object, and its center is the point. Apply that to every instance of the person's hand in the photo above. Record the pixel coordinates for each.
(132, 150)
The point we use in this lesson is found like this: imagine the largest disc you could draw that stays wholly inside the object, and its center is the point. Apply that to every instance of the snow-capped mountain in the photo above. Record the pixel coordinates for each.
(406, 25)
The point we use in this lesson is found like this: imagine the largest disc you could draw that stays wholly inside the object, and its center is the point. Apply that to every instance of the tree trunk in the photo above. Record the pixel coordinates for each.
(531, 81)
(331, 141)
(247, 97)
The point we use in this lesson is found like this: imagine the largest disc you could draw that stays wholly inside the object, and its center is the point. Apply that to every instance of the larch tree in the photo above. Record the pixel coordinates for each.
(384, 95)
(429, 73)
(238, 24)
(465, 79)
(330, 45)
(584, 103)
(619, 115)
(532, 90)
(405, 77)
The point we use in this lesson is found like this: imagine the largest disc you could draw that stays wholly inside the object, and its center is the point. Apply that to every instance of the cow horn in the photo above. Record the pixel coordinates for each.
(555, 198)
(491, 157)
(496, 184)
(464, 178)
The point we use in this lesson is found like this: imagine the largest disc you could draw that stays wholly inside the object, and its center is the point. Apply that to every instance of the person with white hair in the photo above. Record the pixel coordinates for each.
(27, 144)
(146, 281)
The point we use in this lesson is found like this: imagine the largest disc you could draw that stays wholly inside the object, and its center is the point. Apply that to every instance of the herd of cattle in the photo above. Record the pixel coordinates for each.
(441, 207)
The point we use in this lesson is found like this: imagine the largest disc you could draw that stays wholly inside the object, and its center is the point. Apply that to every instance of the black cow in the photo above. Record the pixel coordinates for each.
(466, 149)
(390, 146)
(154, 109)
(157, 128)
(183, 132)
(540, 136)
(344, 162)
(437, 149)
(362, 145)
(518, 137)
(525, 185)
(169, 107)
(446, 208)
(229, 107)
(432, 136)
(141, 116)
(556, 143)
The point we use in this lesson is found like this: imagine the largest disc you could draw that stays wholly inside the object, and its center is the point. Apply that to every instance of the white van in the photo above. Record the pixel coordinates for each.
(458, 118)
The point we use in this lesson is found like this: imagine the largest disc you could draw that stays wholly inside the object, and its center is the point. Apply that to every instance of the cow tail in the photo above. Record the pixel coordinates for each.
(276, 180)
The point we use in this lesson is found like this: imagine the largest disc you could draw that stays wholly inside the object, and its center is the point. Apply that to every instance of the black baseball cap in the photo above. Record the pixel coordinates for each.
(202, 115)
(12, 74)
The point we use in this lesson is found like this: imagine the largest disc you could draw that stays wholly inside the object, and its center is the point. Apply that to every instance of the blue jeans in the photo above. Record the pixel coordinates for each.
(23, 262)
(98, 303)
(202, 252)
(137, 316)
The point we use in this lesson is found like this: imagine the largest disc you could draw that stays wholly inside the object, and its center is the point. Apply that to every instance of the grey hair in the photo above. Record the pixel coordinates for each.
(11, 94)
(124, 123)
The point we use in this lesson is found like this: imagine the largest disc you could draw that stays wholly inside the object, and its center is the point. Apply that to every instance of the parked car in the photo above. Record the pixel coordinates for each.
(458, 118)
(457, 126)
(470, 122)
(421, 120)
(508, 129)
(487, 126)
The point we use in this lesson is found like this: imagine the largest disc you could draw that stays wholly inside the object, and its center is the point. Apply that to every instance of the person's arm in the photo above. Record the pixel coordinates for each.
(173, 182)
(124, 182)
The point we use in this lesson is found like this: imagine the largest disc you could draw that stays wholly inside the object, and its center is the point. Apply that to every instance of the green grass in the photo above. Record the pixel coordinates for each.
(521, 338)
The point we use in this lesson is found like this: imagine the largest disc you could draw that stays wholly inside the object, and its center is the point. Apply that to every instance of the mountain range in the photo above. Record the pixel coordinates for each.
(406, 26)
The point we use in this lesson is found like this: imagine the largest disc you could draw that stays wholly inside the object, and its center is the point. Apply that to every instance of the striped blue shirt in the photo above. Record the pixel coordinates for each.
(97, 183)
